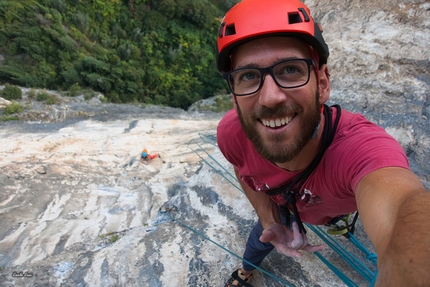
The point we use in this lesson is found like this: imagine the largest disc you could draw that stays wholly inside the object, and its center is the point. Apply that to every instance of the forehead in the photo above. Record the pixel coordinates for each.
(269, 50)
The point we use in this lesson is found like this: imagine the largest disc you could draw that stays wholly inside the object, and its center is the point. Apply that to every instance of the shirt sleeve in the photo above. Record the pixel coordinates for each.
(360, 150)
(228, 137)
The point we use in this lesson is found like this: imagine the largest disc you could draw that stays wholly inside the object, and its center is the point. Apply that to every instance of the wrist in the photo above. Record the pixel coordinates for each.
(270, 218)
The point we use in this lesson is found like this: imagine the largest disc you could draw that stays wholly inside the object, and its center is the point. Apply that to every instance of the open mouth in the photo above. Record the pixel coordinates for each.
(277, 122)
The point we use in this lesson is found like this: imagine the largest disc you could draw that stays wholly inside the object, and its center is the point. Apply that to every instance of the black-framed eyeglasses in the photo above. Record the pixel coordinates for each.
(287, 74)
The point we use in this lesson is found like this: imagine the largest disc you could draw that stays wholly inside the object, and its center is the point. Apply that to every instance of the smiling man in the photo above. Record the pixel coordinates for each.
(299, 160)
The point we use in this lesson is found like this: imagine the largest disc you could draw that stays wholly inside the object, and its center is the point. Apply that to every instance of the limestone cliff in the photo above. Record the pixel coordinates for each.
(77, 208)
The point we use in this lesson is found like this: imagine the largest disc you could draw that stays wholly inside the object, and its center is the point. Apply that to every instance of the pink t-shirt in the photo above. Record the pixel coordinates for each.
(358, 148)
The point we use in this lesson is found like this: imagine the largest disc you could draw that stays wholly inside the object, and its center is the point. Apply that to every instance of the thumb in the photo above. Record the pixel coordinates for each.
(267, 235)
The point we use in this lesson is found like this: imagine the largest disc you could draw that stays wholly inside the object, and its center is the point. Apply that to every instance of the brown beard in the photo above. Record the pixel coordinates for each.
(274, 148)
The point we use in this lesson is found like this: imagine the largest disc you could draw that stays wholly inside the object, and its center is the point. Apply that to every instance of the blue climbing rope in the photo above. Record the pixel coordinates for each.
(232, 253)
(222, 171)
(369, 255)
(345, 279)
(354, 262)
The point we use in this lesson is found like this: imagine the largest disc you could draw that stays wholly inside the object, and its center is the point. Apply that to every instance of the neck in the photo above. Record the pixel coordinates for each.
(307, 154)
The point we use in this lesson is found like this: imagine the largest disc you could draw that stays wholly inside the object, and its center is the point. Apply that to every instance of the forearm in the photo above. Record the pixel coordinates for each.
(266, 209)
(406, 259)
(394, 210)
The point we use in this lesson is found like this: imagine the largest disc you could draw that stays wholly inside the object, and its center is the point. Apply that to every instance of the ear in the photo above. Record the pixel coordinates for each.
(324, 84)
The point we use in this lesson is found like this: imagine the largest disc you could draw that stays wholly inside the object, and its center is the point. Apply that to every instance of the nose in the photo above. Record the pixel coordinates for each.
(270, 94)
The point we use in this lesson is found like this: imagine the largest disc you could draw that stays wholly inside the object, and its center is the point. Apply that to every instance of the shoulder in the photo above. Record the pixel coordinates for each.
(229, 128)
(358, 131)
(230, 120)
(232, 140)
(360, 147)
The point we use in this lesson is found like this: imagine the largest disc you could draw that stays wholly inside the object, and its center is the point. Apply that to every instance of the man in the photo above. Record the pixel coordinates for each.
(292, 154)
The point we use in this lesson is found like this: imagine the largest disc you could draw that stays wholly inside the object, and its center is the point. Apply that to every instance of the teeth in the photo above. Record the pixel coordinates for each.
(277, 122)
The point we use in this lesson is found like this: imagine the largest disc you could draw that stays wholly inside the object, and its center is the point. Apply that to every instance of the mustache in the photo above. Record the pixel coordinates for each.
(279, 111)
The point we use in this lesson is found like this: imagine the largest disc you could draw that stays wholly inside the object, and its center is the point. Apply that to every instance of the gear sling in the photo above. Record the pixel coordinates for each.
(291, 190)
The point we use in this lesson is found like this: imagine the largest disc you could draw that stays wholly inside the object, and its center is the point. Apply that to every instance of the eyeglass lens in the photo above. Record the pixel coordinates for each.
(287, 74)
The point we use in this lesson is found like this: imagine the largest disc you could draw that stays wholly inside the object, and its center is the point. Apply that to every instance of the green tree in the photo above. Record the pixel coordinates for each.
(134, 50)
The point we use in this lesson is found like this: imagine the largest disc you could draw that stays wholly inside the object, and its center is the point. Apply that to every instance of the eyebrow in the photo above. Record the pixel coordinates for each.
(253, 65)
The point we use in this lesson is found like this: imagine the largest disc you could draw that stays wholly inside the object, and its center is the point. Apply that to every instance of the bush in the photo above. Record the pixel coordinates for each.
(13, 108)
(11, 92)
(88, 94)
(32, 94)
(43, 96)
(52, 99)
(4, 118)
(223, 103)
(74, 90)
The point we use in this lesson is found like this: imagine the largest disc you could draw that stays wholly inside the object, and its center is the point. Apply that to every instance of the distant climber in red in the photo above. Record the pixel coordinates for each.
(146, 157)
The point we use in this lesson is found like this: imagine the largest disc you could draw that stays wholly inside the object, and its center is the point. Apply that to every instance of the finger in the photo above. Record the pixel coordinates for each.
(313, 248)
(304, 240)
(289, 252)
(267, 236)
(297, 254)
(298, 238)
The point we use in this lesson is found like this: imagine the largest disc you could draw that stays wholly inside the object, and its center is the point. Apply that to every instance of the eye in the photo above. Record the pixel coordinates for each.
(249, 75)
(291, 69)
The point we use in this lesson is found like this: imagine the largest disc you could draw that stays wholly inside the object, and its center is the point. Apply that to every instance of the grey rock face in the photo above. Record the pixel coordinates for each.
(379, 66)
(77, 208)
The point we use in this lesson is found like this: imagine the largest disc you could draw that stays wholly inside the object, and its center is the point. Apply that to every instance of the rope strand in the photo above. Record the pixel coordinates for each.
(340, 250)
(232, 253)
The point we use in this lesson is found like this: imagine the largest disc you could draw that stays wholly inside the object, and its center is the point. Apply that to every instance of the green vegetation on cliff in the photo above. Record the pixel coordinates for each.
(156, 52)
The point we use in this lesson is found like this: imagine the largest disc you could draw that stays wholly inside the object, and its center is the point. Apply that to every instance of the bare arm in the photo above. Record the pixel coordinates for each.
(395, 211)
(285, 240)
(267, 210)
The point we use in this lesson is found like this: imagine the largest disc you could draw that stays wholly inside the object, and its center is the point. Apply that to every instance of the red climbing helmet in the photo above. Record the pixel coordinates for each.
(252, 19)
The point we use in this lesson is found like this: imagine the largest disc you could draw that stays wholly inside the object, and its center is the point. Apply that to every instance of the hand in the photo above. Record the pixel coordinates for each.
(287, 241)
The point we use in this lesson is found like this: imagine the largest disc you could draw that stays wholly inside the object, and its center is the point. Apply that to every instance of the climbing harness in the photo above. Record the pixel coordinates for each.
(291, 190)
(345, 229)
(201, 148)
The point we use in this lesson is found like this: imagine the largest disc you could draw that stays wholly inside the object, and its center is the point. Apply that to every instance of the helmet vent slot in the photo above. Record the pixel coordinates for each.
(221, 27)
(307, 19)
(294, 18)
(230, 30)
